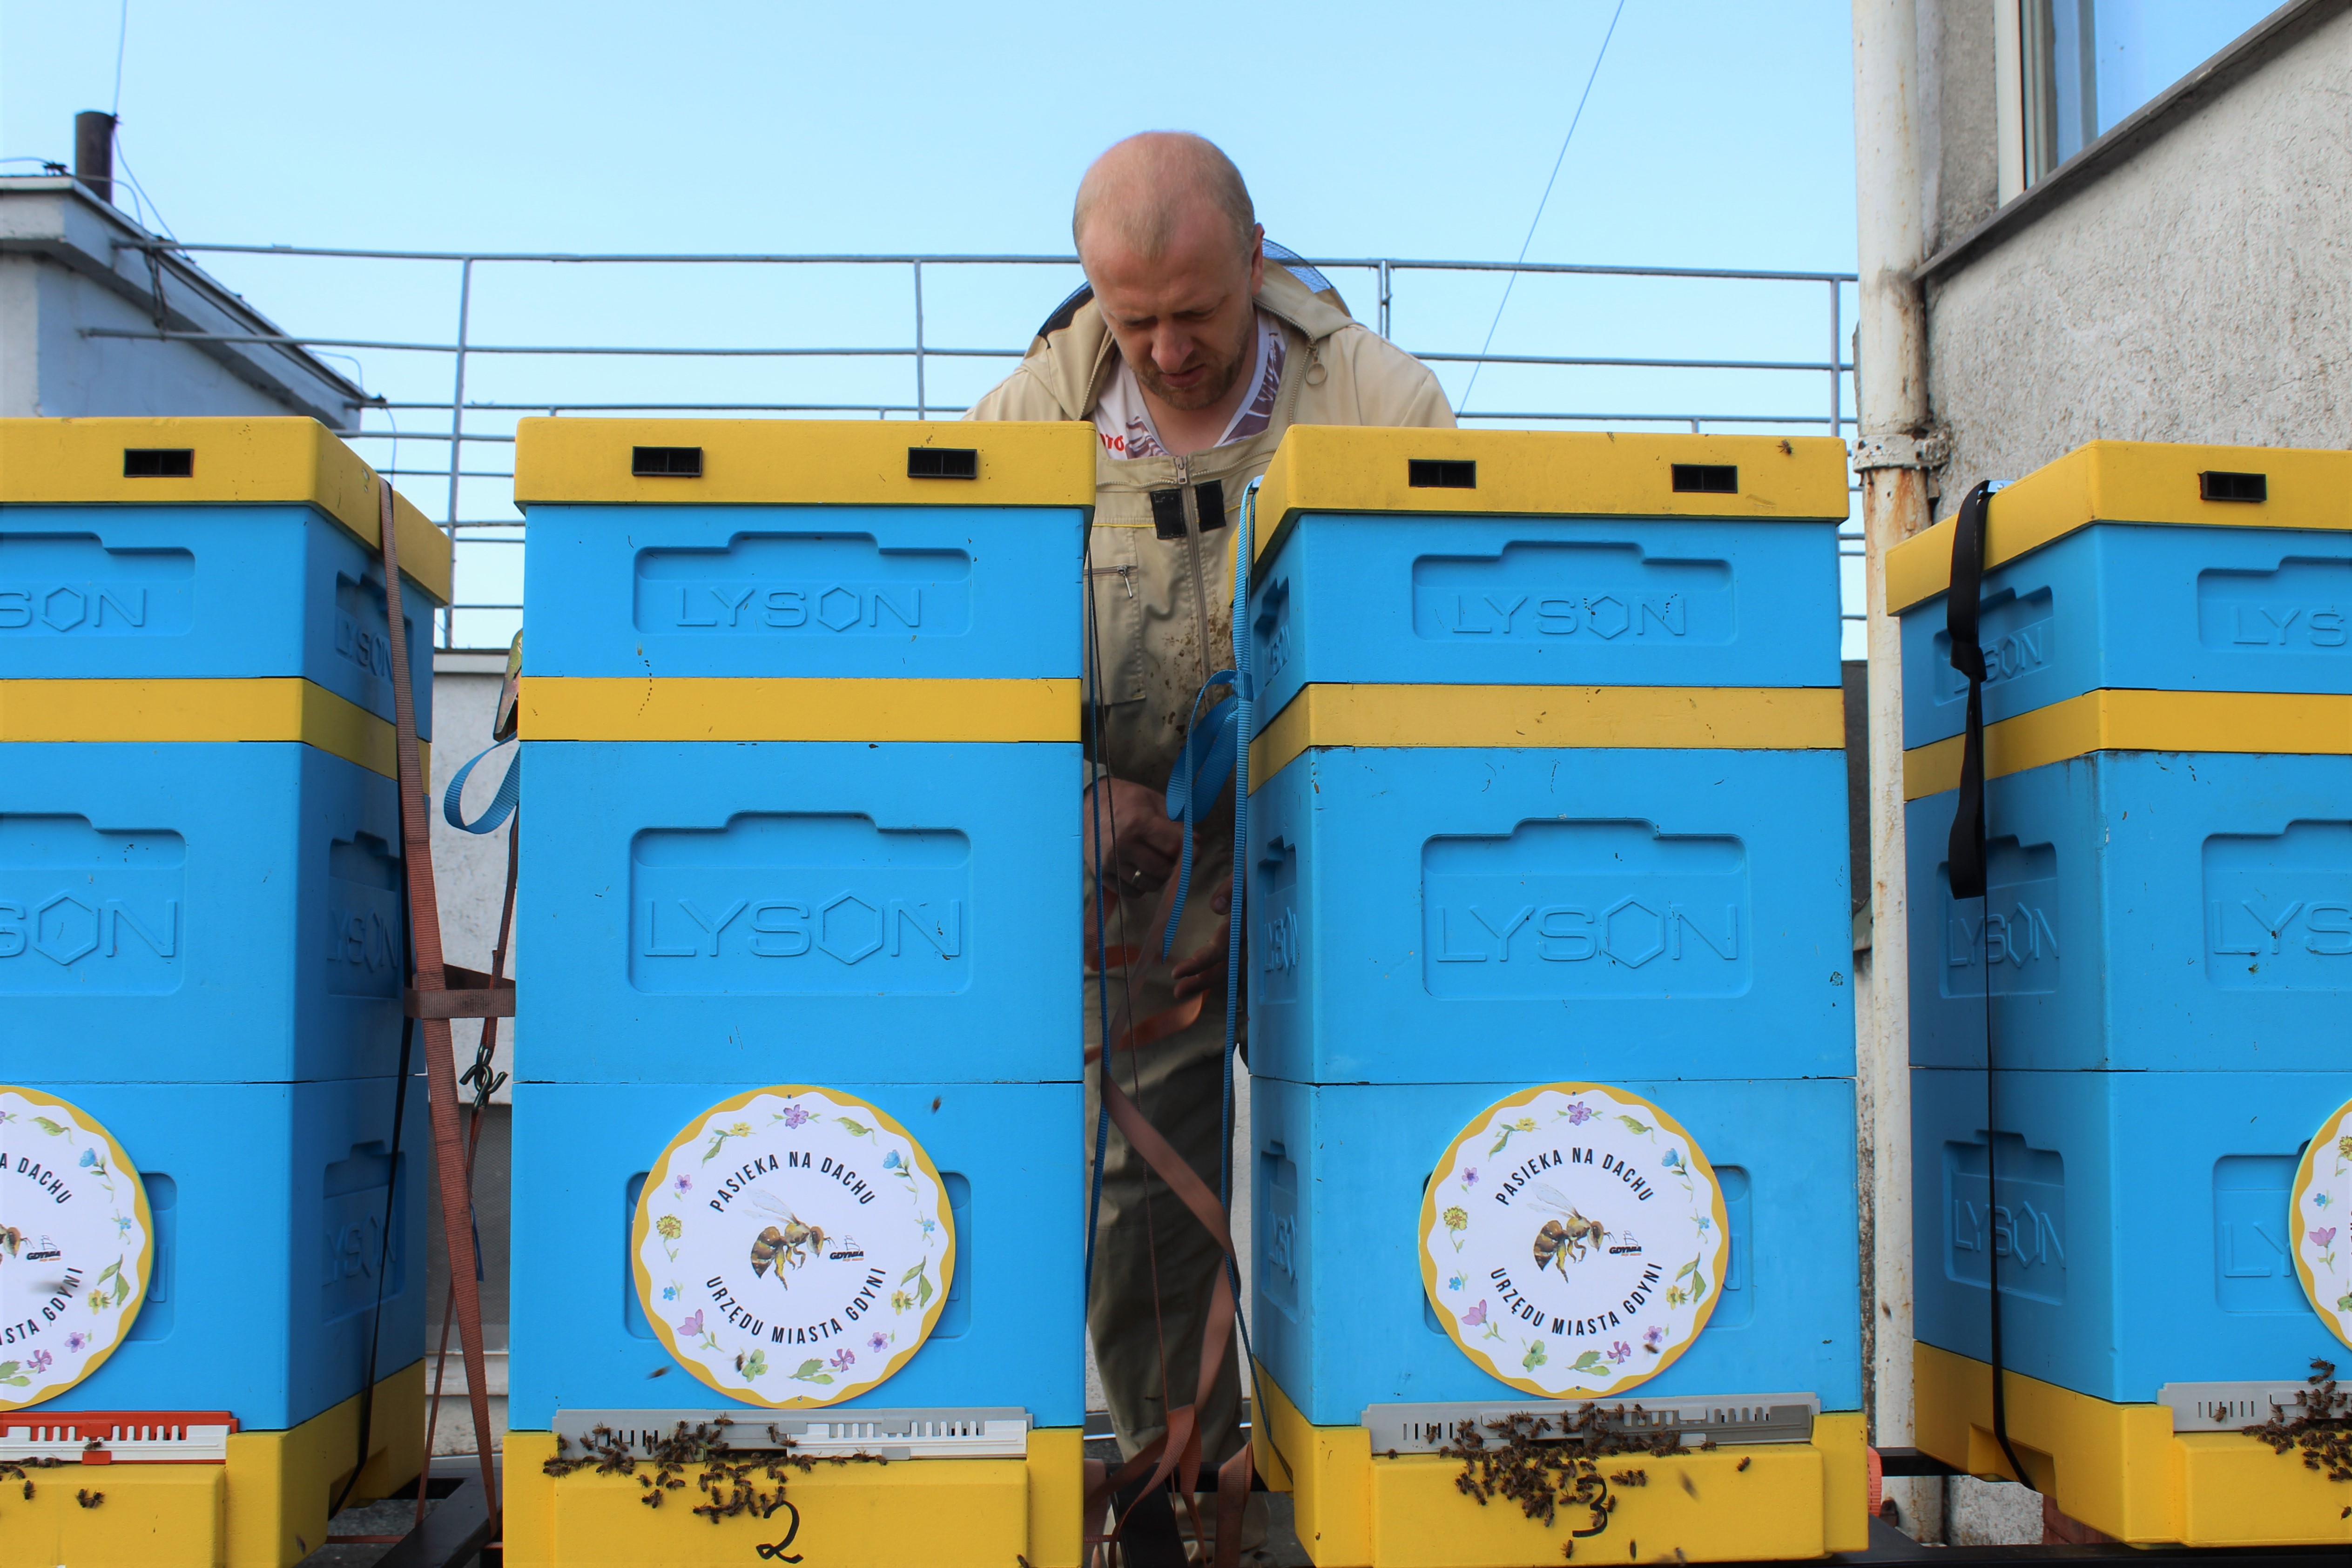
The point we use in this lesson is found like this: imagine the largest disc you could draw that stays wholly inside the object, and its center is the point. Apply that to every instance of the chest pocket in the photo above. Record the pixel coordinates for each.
(1115, 582)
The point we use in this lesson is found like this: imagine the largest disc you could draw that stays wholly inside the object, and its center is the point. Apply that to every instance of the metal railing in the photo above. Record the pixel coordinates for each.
(463, 350)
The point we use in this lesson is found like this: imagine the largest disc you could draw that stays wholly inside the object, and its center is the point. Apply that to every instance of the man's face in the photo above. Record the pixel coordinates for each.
(1184, 319)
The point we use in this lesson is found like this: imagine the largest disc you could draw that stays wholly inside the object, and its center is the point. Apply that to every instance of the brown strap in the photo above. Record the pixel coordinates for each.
(484, 1054)
(477, 999)
(1177, 1450)
(440, 1053)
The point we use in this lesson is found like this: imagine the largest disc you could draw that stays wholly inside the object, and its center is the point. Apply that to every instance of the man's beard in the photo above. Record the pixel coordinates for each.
(1222, 375)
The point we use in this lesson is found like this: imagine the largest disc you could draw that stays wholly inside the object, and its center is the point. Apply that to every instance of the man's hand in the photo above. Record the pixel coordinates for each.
(1145, 845)
(1206, 968)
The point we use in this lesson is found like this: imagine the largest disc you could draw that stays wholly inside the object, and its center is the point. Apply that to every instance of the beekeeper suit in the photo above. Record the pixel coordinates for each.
(1190, 354)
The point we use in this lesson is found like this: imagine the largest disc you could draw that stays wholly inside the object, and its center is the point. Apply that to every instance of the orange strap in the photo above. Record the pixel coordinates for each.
(440, 1053)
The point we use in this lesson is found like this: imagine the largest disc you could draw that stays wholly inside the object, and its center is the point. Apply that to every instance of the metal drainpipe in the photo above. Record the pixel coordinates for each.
(1891, 394)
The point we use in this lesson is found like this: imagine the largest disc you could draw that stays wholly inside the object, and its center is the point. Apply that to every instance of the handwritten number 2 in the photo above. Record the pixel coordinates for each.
(775, 1552)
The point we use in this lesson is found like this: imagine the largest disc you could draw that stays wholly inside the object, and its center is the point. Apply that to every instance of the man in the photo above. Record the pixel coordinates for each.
(1191, 359)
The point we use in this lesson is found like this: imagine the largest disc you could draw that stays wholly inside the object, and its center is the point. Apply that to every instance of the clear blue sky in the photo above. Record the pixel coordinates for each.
(1718, 135)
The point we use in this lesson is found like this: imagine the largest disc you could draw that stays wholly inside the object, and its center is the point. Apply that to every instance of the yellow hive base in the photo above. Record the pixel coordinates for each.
(2120, 1468)
(1353, 1511)
(265, 1508)
(916, 1514)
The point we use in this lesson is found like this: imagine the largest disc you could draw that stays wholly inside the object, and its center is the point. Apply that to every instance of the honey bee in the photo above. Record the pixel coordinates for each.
(1565, 1239)
(789, 1244)
(11, 1239)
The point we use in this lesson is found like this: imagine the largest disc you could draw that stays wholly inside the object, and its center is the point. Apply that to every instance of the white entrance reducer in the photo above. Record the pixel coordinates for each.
(75, 1241)
(1572, 1240)
(793, 1247)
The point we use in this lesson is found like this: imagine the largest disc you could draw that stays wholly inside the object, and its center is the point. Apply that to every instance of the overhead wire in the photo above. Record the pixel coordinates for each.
(1512, 280)
(121, 36)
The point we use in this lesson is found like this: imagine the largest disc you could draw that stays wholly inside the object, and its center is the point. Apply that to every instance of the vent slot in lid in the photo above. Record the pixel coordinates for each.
(158, 462)
(2218, 486)
(1441, 474)
(666, 462)
(943, 462)
(1706, 478)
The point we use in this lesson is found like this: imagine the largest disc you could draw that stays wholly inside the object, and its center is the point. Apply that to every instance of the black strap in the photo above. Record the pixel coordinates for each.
(391, 1217)
(1965, 870)
(1966, 853)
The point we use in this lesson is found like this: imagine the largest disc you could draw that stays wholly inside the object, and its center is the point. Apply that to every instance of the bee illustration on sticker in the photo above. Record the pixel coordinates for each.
(1565, 1239)
(777, 1247)
(11, 1239)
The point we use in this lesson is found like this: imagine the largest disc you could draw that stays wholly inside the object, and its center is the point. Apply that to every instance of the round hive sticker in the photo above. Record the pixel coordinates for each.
(793, 1247)
(74, 1245)
(1572, 1240)
(2322, 1194)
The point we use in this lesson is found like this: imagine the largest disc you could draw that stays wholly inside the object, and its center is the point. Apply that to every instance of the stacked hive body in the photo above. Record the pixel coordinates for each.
(200, 954)
(800, 717)
(1549, 789)
(2166, 948)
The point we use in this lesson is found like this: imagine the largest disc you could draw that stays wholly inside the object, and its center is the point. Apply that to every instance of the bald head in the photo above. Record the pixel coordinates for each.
(1146, 190)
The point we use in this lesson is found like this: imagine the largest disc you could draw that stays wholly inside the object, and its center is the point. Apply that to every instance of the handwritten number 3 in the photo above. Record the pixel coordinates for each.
(775, 1554)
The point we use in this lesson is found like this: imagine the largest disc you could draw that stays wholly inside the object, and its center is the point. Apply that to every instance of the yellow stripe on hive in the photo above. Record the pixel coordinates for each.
(2130, 482)
(2119, 719)
(78, 462)
(1738, 718)
(909, 1514)
(804, 462)
(2121, 1469)
(695, 707)
(1336, 468)
(282, 1484)
(1736, 1503)
(271, 707)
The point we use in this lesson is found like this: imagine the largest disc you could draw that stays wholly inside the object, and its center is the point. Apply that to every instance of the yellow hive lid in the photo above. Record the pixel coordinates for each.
(200, 462)
(1336, 468)
(2134, 482)
(804, 462)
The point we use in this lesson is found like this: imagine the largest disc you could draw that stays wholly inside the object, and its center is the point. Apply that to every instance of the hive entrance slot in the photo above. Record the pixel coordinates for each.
(1441, 474)
(666, 462)
(1706, 478)
(2218, 486)
(169, 462)
(943, 462)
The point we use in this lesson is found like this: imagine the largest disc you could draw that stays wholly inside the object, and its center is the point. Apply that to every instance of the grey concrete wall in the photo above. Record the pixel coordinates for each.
(115, 377)
(1957, 88)
(2200, 290)
(470, 870)
(71, 262)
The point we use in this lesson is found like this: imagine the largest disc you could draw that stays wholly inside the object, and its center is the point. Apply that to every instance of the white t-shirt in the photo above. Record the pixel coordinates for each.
(1124, 424)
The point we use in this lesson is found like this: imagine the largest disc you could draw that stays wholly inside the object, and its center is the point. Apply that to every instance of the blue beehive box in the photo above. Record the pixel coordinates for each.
(2142, 1221)
(2133, 567)
(749, 913)
(269, 1204)
(176, 550)
(846, 550)
(1340, 1319)
(1543, 559)
(200, 912)
(1427, 914)
(1009, 1155)
(2151, 911)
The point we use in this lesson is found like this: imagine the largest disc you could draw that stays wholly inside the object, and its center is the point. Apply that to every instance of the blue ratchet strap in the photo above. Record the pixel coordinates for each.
(1201, 773)
(501, 805)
